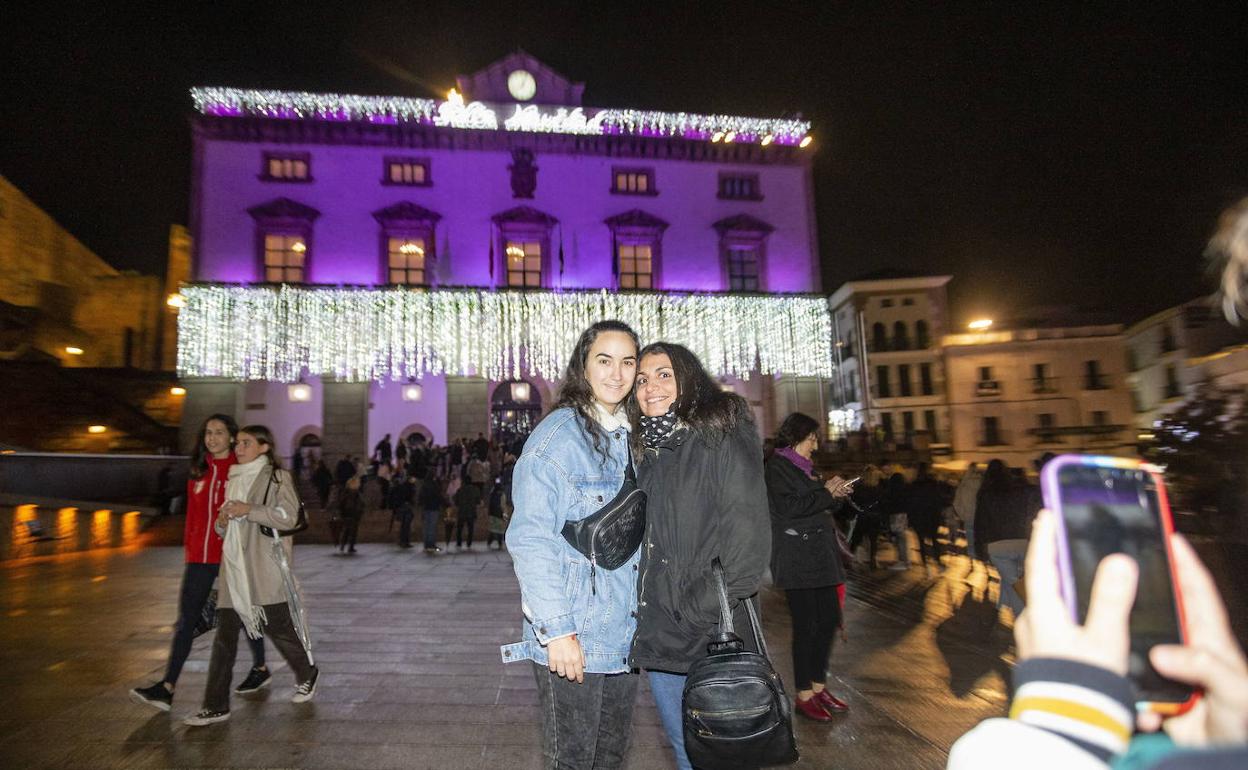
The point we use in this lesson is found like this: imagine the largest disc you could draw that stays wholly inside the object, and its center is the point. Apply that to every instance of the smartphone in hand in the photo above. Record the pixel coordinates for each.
(1108, 505)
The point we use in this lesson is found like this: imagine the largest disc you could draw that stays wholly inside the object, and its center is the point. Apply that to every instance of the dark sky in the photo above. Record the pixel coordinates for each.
(1042, 156)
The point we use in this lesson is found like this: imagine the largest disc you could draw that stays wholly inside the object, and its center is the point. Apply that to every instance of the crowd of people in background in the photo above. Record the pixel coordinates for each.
(461, 485)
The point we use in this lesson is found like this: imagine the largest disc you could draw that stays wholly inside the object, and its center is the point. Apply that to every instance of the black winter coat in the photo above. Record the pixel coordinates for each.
(704, 500)
(804, 552)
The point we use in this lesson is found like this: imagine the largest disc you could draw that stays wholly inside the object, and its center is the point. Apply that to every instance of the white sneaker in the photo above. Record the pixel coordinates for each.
(206, 717)
(305, 690)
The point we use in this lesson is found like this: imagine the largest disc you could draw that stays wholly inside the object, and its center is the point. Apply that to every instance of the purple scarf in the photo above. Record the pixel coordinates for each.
(806, 466)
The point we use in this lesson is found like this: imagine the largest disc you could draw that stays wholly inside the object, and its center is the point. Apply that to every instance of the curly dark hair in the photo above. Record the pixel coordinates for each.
(794, 430)
(700, 403)
(199, 452)
(575, 392)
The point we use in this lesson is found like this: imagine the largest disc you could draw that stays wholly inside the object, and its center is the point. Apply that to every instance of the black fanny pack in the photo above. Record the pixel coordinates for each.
(610, 536)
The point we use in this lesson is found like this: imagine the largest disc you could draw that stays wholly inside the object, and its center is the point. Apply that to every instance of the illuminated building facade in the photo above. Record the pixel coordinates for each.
(373, 265)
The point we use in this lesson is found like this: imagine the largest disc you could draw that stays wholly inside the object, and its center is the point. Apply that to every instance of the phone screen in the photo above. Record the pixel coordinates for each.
(1118, 510)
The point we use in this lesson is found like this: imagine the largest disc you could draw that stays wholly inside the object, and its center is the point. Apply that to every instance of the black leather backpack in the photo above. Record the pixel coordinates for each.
(735, 711)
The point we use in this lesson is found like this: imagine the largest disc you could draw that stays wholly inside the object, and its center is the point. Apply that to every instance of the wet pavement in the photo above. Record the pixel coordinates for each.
(408, 647)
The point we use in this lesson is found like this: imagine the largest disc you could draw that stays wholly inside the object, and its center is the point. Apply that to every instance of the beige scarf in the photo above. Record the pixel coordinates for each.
(234, 555)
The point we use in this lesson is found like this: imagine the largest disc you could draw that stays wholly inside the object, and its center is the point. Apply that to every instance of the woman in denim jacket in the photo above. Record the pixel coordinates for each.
(579, 620)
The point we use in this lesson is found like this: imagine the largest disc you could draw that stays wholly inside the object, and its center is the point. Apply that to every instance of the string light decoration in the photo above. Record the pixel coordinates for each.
(455, 113)
(362, 335)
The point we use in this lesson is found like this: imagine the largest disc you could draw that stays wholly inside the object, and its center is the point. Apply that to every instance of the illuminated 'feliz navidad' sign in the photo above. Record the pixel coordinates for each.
(454, 112)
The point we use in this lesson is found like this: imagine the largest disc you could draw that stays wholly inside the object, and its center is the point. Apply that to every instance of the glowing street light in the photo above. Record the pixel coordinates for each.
(176, 300)
(177, 390)
(96, 428)
(73, 350)
(806, 140)
(980, 324)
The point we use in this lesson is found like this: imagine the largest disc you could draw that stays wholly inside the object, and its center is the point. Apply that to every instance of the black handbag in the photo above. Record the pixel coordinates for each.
(301, 519)
(207, 619)
(734, 708)
(610, 536)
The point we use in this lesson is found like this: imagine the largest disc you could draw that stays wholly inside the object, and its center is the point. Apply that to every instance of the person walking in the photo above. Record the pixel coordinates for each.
(964, 498)
(806, 559)
(500, 515)
(401, 501)
(578, 618)
(706, 501)
(893, 503)
(927, 500)
(255, 584)
(383, 452)
(211, 460)
(431, 502)
(322, 479)
(871, 523)
(350, 510)
(1002, 525)
(467, 500)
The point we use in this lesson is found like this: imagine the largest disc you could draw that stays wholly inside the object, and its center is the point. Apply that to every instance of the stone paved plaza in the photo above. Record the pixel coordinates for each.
(408, 647)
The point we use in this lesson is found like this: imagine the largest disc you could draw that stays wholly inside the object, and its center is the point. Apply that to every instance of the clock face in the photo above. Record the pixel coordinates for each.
(521, 85)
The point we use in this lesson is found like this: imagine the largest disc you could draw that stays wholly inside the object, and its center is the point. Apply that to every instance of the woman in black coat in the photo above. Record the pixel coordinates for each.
(805, 559)
(702, 471)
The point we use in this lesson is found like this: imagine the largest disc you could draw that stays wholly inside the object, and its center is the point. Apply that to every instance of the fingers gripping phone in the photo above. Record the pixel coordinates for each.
(1108, 505)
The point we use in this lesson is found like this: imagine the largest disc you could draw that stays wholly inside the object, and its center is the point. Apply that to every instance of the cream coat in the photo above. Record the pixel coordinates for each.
(279, 511)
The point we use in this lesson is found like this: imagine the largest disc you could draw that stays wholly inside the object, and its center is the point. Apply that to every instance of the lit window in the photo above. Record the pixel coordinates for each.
(739, 187)
(524, 263)
(407, 171)
(287, 167)
(633, 181)
(636, 265)
(742, 268)
(284, 257)
(405, 260)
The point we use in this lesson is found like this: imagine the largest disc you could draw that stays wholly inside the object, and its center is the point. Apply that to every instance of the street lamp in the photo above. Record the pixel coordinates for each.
(980, 324)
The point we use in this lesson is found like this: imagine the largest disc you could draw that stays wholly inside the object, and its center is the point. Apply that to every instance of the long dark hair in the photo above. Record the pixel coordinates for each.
(575, 392)
(700, 403)
(199, 453)
(996, 477)
(262, 434)
(794, 430)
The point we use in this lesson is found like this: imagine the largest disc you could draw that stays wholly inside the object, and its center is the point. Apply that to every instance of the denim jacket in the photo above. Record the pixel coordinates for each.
(561, 477)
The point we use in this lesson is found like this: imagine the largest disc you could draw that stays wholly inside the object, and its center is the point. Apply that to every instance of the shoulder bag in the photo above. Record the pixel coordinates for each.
(301, 520)
(610, 536)
(735, 712)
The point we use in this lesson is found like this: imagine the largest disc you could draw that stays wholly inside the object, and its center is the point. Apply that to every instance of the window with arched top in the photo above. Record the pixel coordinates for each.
(879, 337)
(921, 336)
(901, 336)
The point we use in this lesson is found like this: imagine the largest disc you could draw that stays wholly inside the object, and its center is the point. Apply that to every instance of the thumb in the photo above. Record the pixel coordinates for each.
(1192, 665)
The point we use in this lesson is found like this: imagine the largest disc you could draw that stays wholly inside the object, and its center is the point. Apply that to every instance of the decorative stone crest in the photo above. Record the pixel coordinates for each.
(523, 173)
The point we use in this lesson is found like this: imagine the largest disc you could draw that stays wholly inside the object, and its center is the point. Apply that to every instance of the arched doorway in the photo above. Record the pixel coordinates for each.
(515, 409)
(307, 451)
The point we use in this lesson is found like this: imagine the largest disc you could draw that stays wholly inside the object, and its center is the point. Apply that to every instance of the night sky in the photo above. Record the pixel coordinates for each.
(1043, 157)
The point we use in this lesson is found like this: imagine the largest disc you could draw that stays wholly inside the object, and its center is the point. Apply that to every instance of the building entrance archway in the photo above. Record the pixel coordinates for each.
(515, 409)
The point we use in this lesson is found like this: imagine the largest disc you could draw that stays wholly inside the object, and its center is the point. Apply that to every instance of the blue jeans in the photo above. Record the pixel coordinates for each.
(668, 691)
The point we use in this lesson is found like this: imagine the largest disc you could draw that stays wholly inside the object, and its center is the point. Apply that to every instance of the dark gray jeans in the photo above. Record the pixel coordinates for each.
(585, 725)
(279, 629)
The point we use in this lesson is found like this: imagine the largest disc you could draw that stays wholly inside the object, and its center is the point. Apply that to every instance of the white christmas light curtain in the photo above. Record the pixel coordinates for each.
(279, 334)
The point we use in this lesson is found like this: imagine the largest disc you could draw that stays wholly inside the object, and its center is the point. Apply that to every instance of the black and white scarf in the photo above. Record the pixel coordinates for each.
(655, 430)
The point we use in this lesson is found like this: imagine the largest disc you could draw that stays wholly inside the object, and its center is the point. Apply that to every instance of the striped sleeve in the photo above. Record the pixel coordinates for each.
(1090, 706)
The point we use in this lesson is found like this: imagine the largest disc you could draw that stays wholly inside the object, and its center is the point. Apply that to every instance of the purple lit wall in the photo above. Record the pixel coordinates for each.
(469, 187)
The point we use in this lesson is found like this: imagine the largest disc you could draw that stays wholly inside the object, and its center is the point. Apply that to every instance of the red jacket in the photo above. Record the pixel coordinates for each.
(204, 497)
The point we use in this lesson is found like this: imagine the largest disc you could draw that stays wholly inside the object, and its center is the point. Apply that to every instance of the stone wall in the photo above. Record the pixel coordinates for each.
(467, 407)
(345, 423)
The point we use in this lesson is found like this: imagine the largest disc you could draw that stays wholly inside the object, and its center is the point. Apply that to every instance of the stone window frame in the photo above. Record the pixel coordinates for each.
(411, 220)
(523, 224)
(637, 227)
(646, 171)
(729, 179)
(391, 160)
(283, 216)
(268, 156)
(749, 232)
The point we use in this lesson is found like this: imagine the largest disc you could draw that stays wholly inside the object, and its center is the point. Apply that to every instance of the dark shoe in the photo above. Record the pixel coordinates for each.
(405, 545)
(206, 717)
(305, 690)
(156, 696)
(831, 703)
(811, 709)
(351, 550)
(256, 679)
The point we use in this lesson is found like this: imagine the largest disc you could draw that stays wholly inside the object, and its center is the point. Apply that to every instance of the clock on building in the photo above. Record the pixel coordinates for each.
(521, 85)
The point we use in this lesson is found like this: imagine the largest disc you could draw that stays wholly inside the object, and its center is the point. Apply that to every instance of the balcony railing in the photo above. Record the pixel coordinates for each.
(1099, 382)
(988, 388)
(1053, 431)
(1043, 384)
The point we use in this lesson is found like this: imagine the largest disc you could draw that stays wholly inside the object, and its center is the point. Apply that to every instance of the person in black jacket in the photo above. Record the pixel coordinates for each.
(1002, 526)
(702, 472)
(805, 559)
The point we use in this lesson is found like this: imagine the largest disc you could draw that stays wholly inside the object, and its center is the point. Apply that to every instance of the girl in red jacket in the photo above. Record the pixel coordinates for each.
(205, 494)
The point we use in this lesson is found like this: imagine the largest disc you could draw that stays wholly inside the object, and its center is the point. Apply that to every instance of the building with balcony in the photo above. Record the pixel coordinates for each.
(891, 372)
(1166, 354)
(1016, 394)
(372, 265)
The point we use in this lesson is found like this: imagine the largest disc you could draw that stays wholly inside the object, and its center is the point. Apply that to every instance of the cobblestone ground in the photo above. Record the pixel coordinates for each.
(408, 646)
